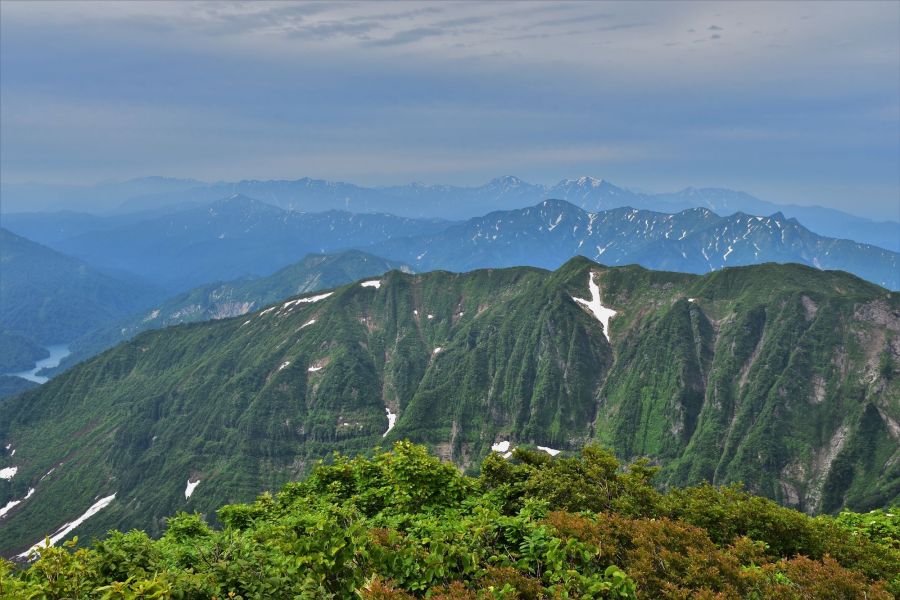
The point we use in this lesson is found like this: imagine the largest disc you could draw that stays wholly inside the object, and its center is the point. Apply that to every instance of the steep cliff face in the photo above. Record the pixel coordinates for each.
(783, 377)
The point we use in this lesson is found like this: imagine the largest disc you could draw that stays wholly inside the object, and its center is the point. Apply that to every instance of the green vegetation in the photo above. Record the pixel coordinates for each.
(11, 385)
(18, 353)
(233, 298)
(766, 375)
(402, 524)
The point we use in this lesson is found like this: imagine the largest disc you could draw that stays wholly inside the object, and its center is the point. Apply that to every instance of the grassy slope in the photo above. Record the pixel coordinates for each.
(221, 300)
(723, 388)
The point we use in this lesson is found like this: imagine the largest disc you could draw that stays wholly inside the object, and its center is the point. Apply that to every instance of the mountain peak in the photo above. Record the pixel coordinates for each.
(558, 204)
(584, 181)
(508, 180)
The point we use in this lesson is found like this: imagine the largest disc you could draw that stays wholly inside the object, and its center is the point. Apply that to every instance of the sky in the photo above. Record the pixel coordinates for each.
(792, 102)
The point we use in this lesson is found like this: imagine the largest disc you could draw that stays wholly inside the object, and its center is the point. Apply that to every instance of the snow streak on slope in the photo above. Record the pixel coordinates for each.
(13, 503)
(603, 313)
(191, 486)
(392, 420)
(68, 527)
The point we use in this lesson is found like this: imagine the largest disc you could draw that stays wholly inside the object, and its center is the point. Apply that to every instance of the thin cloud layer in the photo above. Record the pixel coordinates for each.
(793, 101)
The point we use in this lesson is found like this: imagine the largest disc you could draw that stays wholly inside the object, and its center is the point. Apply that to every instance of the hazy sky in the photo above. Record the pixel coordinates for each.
(793, 102)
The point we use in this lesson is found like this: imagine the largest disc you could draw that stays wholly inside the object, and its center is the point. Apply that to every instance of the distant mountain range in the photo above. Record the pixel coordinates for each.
(692, 241)
(228, 239)
(446, 201)
(240, 236)
(783, 377)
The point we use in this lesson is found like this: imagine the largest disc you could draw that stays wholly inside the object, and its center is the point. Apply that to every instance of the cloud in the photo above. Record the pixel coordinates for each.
(452, 90)
(408, 36)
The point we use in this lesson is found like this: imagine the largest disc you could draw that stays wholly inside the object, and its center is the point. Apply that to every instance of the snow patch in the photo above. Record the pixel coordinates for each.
(692, 300)
(13, 503)
(308, 300)
(502, 446)
(68, 527)
(430, 316)
(8, 473)
(284, 365)
(392, 420)
(553, 225)
(436, 350)
(375, 284)
(602, 313)
(308, 323)
(314, 369)
(550, 451)
(267, 311)
(191, 486)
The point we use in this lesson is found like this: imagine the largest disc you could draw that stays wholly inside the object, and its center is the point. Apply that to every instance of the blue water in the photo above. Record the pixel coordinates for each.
(57, 353)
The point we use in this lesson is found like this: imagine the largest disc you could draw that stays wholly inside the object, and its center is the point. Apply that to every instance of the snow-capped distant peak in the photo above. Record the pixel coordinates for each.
(591, 181)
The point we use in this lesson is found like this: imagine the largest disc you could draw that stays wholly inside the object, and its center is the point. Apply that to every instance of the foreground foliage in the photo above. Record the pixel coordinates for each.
(402, 525)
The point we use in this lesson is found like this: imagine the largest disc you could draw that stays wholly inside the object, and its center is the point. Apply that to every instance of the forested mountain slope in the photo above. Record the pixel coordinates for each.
(784, 377)
(47, 297)
(222, 300)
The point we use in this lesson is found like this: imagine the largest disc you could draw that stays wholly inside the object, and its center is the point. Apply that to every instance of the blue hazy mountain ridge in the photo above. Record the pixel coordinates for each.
(231, 238)
(443, 201)
(696, 240)
(508, 192)
(49, 298)
(50, 228)
(100, 197)
(240, 236)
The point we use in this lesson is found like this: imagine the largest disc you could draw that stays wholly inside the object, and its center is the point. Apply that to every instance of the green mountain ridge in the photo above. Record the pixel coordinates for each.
(222, 300)
(782, 376)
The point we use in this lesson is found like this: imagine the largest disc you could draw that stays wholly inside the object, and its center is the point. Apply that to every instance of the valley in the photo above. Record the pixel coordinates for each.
(55, 355)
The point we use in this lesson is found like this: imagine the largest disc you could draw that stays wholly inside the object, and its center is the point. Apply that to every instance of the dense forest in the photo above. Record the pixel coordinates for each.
(402, 524)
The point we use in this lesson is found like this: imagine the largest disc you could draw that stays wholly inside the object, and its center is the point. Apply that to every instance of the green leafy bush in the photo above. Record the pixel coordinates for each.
(403, 525)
